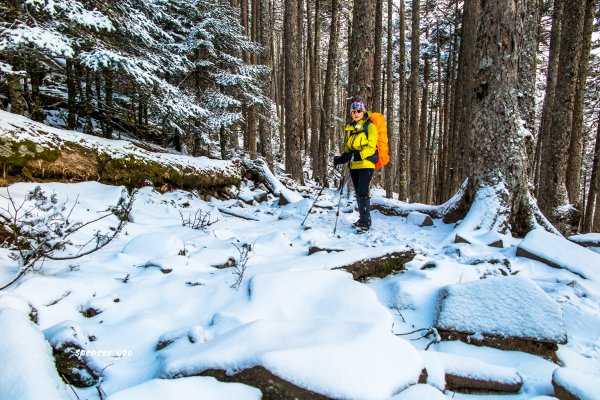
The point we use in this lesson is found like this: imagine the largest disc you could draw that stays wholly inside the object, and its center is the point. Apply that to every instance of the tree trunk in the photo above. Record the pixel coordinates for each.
(593, 192)
(108, 97)
(361, 57)
(265, 58)
(423, 127)
(377, 67)
(553, 191)
(71, 95)
(293, 93)
(459, 140)
(577, 131)
(390, 169)
(327, 121)
(527, 72)
(543, 140)
(15, 93)
(414, 142)
(498, 167)
(89, 107)
(402, 100)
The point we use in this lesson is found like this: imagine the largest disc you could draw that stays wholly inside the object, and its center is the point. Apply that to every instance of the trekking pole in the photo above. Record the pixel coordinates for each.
(337, 214)
(314, 202)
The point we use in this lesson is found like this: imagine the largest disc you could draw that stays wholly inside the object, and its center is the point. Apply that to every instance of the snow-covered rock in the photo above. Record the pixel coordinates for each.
(27, 369)
(377, 364)
(419, 219)
(191, 388)
(500, 308)
(154, 245)
(571, 384)
(447, 371)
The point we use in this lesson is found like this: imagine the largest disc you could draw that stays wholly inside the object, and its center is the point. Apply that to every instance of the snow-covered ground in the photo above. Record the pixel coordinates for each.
(164, 302)
(292, 313)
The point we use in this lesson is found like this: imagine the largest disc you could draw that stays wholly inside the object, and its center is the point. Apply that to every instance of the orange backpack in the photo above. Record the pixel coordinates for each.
(382, 143)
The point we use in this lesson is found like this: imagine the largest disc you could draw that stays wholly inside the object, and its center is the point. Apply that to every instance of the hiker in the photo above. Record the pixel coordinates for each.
(360, 149)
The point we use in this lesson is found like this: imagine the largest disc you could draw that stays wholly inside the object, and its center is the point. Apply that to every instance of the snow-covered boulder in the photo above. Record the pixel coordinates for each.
(69, 344)
(27, 369)
(447, 371)
(188, 389)
(570, 384)
(558, 252)
(349, 360)
(419, 219)
(505, 312)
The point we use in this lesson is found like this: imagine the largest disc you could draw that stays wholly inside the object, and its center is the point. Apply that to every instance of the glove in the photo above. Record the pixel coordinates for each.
(342, 159)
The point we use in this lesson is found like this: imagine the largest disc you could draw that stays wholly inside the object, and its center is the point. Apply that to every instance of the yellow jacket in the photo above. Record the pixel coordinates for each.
(358, 141)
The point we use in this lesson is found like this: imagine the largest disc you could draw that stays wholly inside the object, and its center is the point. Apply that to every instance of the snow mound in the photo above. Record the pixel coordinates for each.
(560, 253)
(501, 306)
(154, 245)
(193, 388)
(347, 360)
(27, 370)
(307, 296)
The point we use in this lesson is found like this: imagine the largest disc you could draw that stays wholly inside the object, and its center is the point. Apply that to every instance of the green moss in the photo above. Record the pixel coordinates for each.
(22, 152)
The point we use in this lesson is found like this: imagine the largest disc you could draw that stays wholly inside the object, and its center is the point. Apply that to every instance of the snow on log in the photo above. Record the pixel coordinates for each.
(586, 239)
(36, 151)
(467, 374)
(27, 369)
(558, 252)
(510, 313)
(263, 174)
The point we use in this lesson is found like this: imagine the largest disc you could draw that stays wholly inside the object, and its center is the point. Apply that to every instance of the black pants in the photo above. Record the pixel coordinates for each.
(361, 179)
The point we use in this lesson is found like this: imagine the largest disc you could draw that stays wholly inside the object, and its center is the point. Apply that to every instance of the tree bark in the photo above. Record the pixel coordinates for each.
(361, 54)
(293, 93)
(577, 131)
(459, 140)
(327, 122)
(377, 67)
(423, 128)
(498, 167)
(543, 140)
(553, 191)
(402, 100)
(414, 187)
(265, 58)
(15, 93)
(527, 72)
(591, 205)
(71, 95)
(390, 169)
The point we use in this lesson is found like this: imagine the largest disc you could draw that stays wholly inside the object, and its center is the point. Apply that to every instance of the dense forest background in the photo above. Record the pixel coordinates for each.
(504, 94)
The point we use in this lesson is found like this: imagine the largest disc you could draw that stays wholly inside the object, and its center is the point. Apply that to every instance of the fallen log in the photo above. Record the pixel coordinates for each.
(381, 266)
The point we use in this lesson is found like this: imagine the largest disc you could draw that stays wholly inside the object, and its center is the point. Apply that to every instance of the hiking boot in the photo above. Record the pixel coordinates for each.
(364, 212)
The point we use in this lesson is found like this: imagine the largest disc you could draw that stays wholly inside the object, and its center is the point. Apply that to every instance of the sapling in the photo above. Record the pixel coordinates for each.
(40, 227)
(239, 264)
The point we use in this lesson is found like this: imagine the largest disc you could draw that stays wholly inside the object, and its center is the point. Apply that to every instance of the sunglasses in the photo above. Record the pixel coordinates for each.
(357, 111)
